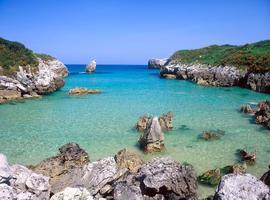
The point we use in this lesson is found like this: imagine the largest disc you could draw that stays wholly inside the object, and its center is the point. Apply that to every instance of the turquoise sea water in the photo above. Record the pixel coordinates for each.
(103, 124)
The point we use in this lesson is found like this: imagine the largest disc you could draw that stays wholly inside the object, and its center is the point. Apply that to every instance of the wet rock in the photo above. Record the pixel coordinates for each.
(259, 82)
(129, 160)
(211, 177)
(247, 109)
(156, 63)
(167, 177)
(241, 186)
(123, 191)
(71, 156)
(212, 134)
(69, 193)
(152, 140)
(266, 177)
(83, 91)
(235, 169)
(91, 66)
(249, 157)
(18, 182)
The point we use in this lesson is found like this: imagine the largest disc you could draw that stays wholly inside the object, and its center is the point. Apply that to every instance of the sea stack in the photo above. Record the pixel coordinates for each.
(91, 66)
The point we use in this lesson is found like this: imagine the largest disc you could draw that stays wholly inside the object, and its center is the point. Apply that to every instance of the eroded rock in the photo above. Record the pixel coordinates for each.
(91, 66)
(69, 193)
(156, 63)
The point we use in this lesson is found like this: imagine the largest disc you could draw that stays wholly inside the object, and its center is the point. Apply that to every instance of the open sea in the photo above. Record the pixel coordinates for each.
(102, 124)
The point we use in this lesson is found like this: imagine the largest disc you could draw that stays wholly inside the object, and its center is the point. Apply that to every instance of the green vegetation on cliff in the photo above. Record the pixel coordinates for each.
(254, 57)
(14, 54)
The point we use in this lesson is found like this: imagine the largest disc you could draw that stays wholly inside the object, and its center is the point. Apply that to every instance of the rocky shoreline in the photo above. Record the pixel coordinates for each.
(224, 76)
(124, 176)
(27, 84)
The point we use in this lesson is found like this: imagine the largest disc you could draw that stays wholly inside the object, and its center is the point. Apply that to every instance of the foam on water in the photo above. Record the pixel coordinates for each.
(103, 124)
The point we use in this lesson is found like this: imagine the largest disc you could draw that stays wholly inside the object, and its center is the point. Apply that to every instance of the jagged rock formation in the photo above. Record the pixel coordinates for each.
(18, 182)
(83, 91)
(152, 139)
(70, 157)
(156, 63)
(91, 66)
(266, 177)
(68, 193)
(27, 83)
(165, 121)
(242, 187)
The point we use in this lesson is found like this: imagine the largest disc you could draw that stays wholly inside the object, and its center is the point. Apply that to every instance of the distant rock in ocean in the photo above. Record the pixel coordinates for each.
(156, 63)
(91, 66)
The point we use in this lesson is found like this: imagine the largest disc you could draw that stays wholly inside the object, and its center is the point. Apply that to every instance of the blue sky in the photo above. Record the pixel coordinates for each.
(130, 31)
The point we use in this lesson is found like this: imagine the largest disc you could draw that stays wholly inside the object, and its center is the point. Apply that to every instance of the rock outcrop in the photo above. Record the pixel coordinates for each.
(217, 75)
(247, 109)
(18, 182)
(91, 66)
(262, 115)
(242, 187)
(48, 77)
(70, 157)
(156, 63)
(83, 91)
(152, 139)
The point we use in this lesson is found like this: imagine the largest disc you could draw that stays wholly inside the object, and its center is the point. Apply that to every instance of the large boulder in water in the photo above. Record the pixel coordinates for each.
(242, 187)
(91, 66)
(70, 156)
(262, 114)
(152, 140)
(167, 177)
(18, 182)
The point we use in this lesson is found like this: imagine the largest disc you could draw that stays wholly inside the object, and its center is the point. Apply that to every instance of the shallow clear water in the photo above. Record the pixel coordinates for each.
(103, 124)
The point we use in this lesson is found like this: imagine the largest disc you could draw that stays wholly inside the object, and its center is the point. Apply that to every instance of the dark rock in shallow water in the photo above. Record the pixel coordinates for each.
(266, 177)
(129, 160)
(152, 140)
(249, 157)
(211, 177)
(168, 177)
(242, 187)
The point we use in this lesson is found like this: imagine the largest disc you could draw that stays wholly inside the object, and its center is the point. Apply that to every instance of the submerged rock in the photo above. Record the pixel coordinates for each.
(68, 193)
(211, 177)
(83, 91)
(156, 63)
(167, 177)
(212, 134)
(18, 182)
(152, 140)
(169, 76)
(9, 95)
(129, 160)
(242, 187)
(91, 66)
